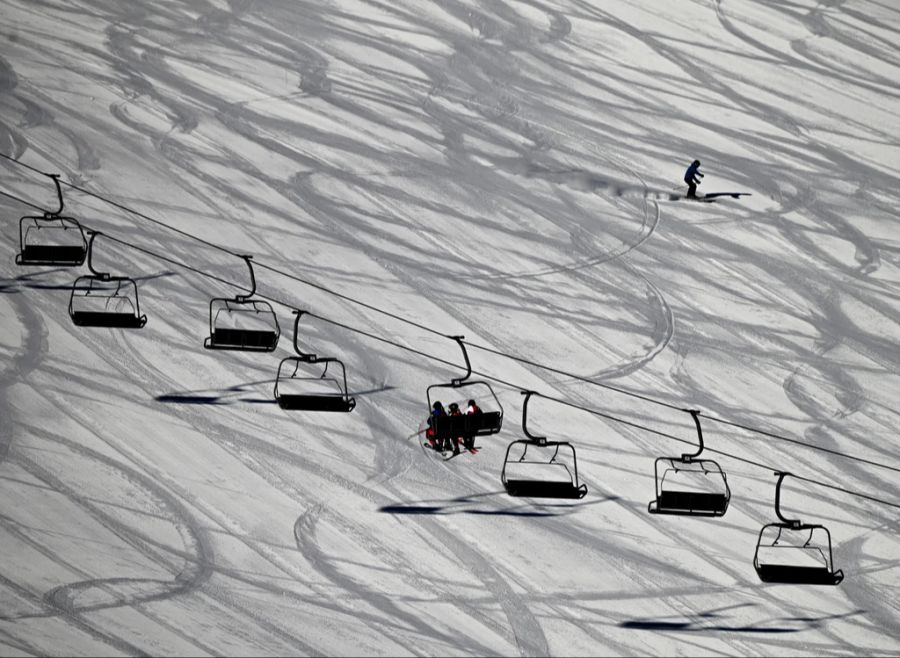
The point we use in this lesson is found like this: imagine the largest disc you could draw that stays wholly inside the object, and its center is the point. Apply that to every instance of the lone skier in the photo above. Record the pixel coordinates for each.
(690, 177)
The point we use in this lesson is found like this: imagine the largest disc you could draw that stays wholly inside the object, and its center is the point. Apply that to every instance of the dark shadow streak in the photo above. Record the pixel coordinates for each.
(372, 390)
(451, 507)
(440, 509)
(191, 399)
(690, 627)
(804, 623)
(22, 282)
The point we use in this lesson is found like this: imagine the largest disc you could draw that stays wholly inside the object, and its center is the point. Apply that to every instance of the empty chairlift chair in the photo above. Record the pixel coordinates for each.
(794, 553)
(242, 323)
(489, 421)
(296, 391)
(51, 239)
(690, 486)
(538, 468)
(101, 300)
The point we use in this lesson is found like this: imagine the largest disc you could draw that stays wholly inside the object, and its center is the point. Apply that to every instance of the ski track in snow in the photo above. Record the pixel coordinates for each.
(465, 136)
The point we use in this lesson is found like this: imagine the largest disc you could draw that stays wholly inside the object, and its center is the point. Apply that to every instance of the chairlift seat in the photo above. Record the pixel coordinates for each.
(323, 393)
(690, 503)
(104, 301)
(538, 477)
(49, 254)
(798, 575)
(115, 320)
(307, 402)
(795, 553)
(544, 489)
(467, 425)
(483, 424)
(242, 323)
(242, 339)
(689, 486)
(61, 242)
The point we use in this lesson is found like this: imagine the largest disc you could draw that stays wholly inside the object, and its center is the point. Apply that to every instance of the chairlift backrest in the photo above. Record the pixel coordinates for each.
(538, 471)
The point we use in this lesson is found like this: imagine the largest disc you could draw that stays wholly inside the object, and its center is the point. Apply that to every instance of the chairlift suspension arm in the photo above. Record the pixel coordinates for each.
(794, 523)
(307, 358)
(540, 440)
(243, 298)
(459, 380)
(685, 457)
(90, 257)
(59, 195)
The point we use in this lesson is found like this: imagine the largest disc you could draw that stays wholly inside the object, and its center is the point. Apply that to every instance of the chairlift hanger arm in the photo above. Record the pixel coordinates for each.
(90, 258)
(793, 523)
(689, 457)
(59, 196)
(243, 298)
(540, 440)
(459, 380)
(306, 358)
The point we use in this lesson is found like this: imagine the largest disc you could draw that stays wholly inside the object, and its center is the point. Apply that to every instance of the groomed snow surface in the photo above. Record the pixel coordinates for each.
(412, 169)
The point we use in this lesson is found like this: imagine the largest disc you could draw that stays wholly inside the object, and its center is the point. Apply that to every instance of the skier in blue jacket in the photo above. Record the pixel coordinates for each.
(437, 410)
(690, 177)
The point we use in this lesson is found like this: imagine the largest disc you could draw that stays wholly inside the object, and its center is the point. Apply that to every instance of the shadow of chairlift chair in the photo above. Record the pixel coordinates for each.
(794, 553)
(242, 323)
(545, 472)
(300, 393)
(101, 300)
(489, 421)
(689, 486)
(51, 239)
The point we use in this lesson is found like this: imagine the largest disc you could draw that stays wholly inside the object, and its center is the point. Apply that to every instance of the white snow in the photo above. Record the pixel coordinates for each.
(499, 170)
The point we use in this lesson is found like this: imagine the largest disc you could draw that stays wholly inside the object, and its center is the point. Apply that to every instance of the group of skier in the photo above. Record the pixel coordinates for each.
(445, 443)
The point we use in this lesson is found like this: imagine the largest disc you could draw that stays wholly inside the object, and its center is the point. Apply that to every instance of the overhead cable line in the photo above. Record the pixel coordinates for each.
(422, 327)
(494, 378)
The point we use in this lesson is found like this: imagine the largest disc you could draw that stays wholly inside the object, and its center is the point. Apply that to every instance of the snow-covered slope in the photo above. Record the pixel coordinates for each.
(406, 171)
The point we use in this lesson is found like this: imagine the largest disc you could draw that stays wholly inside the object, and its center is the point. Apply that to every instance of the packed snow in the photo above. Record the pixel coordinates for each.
(407, 171)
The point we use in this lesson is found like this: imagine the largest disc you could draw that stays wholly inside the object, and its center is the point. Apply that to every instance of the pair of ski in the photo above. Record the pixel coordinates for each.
(447, 455)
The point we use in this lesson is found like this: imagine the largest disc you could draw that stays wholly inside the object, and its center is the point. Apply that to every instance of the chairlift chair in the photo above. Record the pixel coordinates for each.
(101, 300)
(536, 475)
(487, 422)
(242, 323)
(51, 239)
(689, 486)
(794, 553)
(296, 393)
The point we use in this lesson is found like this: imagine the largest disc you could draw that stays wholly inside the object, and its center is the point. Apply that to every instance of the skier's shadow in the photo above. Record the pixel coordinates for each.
(708, 198)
